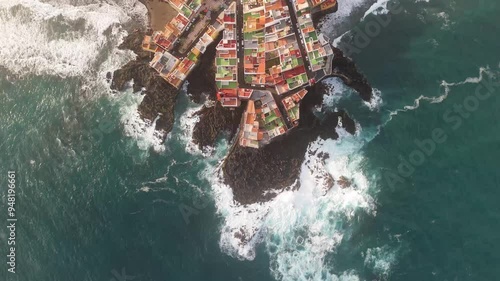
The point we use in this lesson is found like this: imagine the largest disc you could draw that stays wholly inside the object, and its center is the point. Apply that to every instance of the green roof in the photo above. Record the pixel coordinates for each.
(225, 62)
(313, 35)
(248, 78)
(271, 117)
(186, 11)
(230, 85)
(191, 56)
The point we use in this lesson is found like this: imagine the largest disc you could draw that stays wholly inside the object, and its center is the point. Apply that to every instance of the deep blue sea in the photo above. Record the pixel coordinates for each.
(99, 198)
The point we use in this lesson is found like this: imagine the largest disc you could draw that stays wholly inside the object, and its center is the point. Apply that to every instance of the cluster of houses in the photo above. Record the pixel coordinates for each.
(262, 120)
(226, 62)
(266, 57)
(319, 51)
(272, 55)
(292, 104)
(175, 68)
(268, 53)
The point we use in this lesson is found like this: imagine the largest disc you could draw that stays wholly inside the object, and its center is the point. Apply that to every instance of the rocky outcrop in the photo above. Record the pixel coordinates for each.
(215, 120)
(345, 69)
(252, 173)
(201, 81)
(160, 97)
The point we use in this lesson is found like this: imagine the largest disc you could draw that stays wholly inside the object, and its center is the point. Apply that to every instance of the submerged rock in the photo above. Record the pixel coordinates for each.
(344, 182)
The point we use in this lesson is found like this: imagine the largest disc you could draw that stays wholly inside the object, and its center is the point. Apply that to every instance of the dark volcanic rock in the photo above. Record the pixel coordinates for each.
(251, 172)
(202, 78)
(215, 120)
(344, 182)
(345, 69)
(160, 96)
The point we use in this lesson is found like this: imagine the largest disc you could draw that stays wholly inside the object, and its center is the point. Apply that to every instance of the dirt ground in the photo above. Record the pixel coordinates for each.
(160, 13)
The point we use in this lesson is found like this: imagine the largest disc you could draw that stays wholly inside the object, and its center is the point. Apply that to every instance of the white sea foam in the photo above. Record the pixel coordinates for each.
(298, 245)
(187, 122)
(446, 20)
(447, 88)
(338, 90)
(376, 101)
(70, 38)
(379, 8)
(339, 24)
(381, 260)
(345, 18)
(141, 130)
(65, 40)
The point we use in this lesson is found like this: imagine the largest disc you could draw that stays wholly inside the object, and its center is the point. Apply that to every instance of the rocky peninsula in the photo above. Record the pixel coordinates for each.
(250, 172)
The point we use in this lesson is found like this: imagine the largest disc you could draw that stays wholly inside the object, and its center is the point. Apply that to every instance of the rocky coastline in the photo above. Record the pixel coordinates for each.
(252, 173)
(160, 97)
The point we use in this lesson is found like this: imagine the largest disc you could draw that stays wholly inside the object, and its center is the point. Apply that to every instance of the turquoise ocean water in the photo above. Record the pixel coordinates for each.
(99, 199)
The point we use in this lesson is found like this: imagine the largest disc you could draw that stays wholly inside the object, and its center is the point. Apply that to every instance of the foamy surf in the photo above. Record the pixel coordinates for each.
(65, 40)
(348, 14)
(381, 260)
(446, 86)
(379, 8)
(188, 121)
(337, 91)
(134, 126)
(316, 214)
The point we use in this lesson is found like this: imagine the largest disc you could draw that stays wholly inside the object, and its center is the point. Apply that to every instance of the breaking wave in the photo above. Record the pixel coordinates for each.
(379, 8)
(334, 192)
(348, 14)
(187, 122)
(337, 91)
(58, 38)
(141, 130)
(381, 260)
(76, 38)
